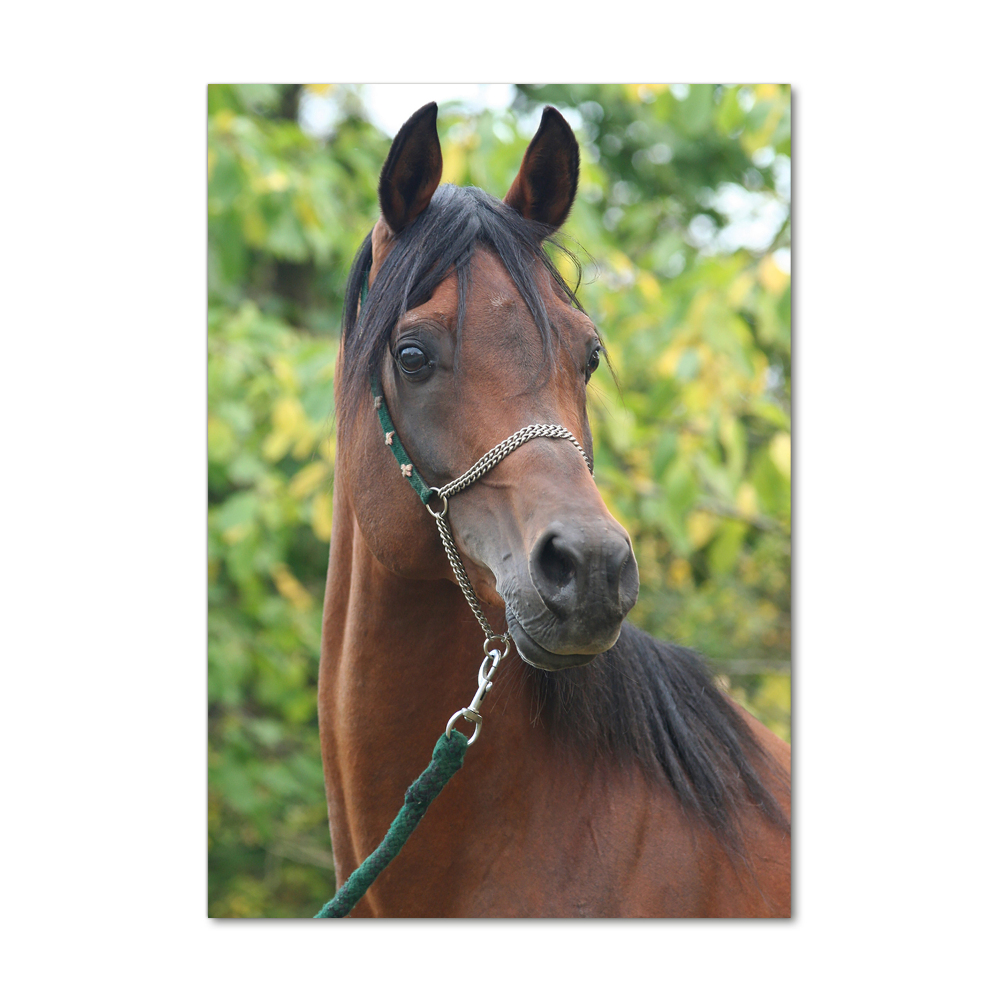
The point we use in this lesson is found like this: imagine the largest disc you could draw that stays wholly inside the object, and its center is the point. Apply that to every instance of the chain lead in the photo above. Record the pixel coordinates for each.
(493, 457)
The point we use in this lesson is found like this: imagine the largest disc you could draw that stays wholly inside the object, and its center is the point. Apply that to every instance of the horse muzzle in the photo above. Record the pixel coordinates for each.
(568, 602)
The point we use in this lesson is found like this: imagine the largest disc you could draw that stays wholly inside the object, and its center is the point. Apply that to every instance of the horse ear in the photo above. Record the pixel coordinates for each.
(412, 170)
(545, 185)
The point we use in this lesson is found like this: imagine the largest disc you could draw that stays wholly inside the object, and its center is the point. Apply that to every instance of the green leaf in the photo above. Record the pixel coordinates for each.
(239, 509)
(725, 548)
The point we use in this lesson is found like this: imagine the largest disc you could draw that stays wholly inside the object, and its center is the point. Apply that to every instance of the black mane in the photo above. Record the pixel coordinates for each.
(642, 701)
(647, 701)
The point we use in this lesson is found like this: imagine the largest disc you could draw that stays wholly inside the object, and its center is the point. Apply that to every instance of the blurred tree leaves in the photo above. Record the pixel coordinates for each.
(682, 227)
(285, 216)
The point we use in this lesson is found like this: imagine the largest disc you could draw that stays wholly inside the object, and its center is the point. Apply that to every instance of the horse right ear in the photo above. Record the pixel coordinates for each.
(412, 170)
(545, 186)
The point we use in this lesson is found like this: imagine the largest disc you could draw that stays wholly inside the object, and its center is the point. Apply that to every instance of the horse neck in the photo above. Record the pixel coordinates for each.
(399, 657)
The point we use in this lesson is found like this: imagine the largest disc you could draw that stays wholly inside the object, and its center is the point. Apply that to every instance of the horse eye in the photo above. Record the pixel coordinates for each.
(595, 360)
(412, 360)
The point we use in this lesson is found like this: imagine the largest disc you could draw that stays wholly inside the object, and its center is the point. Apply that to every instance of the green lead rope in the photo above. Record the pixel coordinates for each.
(449, 753)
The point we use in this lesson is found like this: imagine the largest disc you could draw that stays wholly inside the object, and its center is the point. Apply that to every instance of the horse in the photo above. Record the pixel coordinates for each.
(613, 778)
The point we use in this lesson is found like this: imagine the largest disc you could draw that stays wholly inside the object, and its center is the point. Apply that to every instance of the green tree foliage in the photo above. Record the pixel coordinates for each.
(681, 228)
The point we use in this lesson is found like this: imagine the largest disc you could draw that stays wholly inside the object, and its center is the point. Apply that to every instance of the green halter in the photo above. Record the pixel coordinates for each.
(406, 466)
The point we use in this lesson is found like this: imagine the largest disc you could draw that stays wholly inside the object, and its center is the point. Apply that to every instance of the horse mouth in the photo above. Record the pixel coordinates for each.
(538, 656)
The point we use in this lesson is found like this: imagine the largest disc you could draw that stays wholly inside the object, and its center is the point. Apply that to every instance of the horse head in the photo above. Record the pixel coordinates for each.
(454, 306)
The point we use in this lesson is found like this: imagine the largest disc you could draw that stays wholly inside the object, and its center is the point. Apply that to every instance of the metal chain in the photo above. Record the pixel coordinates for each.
(492, 458)
(459, 570)
(497, 454)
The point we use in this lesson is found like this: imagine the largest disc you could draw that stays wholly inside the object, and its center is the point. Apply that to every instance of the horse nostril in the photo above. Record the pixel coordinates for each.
(619, 552)
(555, 564)
(623, 575)
(590, 572)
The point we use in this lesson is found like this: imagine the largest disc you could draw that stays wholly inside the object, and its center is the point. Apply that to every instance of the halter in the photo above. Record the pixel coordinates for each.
(427, 494)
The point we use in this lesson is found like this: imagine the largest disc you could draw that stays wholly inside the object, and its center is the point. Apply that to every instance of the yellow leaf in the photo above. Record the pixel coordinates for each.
(695, 318)
(254, 228)
(752, 141)
(276, 180)
(699, 397)
(289, 587)
(649, 286)
(621, 262)
(221, 440)
(308, 479)
(287, 415)
(305, 443)
(739, 289)
(771, 276)
(727, 430)
(667, 364)
(679, 572)
(780, 450)
(454, 159)
(643, 91)
(746, 500)
(688, 443)
(701, 526)
(291, 430)
(236, 533)
(322, 516)
(275, 445)
(305, 211)
(328, 448)
(285, 374)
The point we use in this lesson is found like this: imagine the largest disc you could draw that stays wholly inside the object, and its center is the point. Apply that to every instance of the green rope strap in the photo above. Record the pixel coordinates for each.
(406, 466)
(449, 752)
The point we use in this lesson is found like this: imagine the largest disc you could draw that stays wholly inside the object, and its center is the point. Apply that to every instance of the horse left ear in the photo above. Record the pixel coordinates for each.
(545, 186)
(412, 170)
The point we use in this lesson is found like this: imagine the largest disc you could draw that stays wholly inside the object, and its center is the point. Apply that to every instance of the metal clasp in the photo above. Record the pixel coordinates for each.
(471, 714)
(437, 513)
(505, 639)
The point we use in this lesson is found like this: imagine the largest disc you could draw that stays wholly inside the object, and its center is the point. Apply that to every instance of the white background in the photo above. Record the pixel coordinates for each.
(895, 429)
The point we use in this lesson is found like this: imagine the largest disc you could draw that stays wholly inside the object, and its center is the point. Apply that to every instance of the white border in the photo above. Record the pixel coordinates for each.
(894, 499)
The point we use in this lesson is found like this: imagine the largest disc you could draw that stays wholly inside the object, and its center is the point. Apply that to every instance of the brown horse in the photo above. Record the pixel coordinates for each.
(612, 777)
